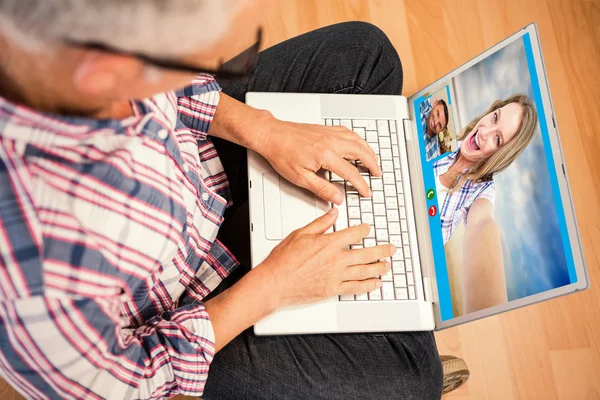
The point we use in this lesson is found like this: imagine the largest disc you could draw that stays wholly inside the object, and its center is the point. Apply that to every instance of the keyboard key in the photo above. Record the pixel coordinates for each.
(396, 162)
(389, 190)
(371, 233)
(398, 175)
(387, 288)
(391, 202)
(387, 166)
(368, 124)
(392, 215)
(410, 279)
(347, 297)
(369, 243)
(398, 267)
(404, 236)
(401, 200)
(400, 280)
(394, 228)
(375, 294)
(396, 241)
(376, 184)
(347, 123)
(354, 222)
(404, 225)
(406, 252)
(394, 137)
(335, 178)
(399, 187)
(386, 154)
(360, 132)
(383, 127)
(385, 143)
(395, 151)
(336, 122)
(362, 297)
(372, 137)
(398, 256)
(408, 265)
(389, 179)
(402, 212)
(379, 209)
(328, 122)
(356, 246)
(350, 188)
(375, 147)
(378, 197)
(411, 293)
(353, 200)
(382, 235)
(393, 126)
(366, 206)
(387, 277)
(367, 218)
(401, 294)
(381, 222)
(354, 212)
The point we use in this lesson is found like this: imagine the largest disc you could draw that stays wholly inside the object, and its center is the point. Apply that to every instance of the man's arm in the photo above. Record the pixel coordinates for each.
(483, 274)
(238, 123)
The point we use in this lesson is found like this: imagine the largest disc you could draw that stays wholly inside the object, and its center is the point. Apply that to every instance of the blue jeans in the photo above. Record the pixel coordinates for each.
(345, 58)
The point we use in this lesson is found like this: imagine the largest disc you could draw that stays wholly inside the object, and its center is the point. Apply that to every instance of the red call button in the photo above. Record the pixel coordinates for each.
(432, 211)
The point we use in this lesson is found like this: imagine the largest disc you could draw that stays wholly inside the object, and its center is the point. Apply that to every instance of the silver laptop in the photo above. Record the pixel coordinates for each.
(432, 282)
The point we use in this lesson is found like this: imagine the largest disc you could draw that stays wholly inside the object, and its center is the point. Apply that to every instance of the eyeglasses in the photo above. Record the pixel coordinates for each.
(238, 70)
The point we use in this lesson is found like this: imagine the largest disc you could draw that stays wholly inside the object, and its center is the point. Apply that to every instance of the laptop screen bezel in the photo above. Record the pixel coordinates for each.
(563, 184)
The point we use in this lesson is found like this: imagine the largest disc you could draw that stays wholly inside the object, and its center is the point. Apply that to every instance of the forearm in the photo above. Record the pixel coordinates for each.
(238, 123)
(241, 306)
(483, 274)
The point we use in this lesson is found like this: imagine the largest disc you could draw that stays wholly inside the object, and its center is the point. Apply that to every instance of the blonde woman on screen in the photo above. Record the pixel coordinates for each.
(466, 193)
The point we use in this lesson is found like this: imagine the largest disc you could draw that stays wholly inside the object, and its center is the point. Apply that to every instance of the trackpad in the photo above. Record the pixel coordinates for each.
(298, 207)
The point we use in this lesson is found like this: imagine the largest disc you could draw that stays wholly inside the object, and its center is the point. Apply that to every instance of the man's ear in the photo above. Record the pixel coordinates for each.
(99, 73)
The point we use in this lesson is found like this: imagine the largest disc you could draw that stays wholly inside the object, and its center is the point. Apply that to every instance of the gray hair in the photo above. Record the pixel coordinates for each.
(167, 28)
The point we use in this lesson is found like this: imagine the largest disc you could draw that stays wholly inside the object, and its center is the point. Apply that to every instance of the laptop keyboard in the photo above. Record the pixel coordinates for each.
(385, 211)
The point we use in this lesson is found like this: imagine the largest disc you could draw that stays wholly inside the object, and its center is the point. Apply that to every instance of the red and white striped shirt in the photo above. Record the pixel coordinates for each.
(107, 248)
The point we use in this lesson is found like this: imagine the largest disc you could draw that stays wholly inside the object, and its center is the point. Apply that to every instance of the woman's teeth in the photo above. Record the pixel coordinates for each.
(475, 142)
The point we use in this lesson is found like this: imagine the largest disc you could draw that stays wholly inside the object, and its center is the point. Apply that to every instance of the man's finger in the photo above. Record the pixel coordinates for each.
(352, 235)
(323, 188)
(349, 172)
(369, 254)
(359, 150)
(321, 224)
(359, 287)
(365, 271)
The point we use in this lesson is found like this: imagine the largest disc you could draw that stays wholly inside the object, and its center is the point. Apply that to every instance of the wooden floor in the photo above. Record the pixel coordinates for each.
(547, 351)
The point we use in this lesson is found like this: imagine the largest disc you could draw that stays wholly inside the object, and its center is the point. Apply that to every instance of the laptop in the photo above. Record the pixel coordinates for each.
(436, 281)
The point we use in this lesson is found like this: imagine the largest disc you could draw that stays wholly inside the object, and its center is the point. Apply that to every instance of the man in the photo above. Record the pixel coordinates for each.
(434, 118)
(116, 259)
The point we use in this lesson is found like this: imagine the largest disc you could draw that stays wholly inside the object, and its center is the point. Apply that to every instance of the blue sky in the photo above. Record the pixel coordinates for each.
(532, 247)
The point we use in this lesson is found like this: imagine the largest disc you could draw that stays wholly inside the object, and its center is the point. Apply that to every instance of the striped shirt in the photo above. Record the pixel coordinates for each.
(432, 147)
(456, 205)
(108, 247)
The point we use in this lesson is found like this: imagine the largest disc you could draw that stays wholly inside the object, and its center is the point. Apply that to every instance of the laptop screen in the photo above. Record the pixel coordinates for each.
(496, 218)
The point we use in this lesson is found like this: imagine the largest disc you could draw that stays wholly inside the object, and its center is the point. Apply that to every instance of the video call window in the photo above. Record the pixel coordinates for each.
(494, 219)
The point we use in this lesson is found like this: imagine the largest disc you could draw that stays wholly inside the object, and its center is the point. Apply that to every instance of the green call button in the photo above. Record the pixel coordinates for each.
(430, 194)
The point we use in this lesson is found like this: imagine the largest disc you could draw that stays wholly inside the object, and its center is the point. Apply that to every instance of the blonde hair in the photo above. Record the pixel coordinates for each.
(485, 169)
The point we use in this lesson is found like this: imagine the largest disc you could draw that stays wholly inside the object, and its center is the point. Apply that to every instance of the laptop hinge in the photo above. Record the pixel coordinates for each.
(428, 290)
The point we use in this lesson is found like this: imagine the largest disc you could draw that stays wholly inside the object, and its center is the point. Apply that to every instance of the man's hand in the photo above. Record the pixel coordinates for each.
(310, 265)
(298, 151)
